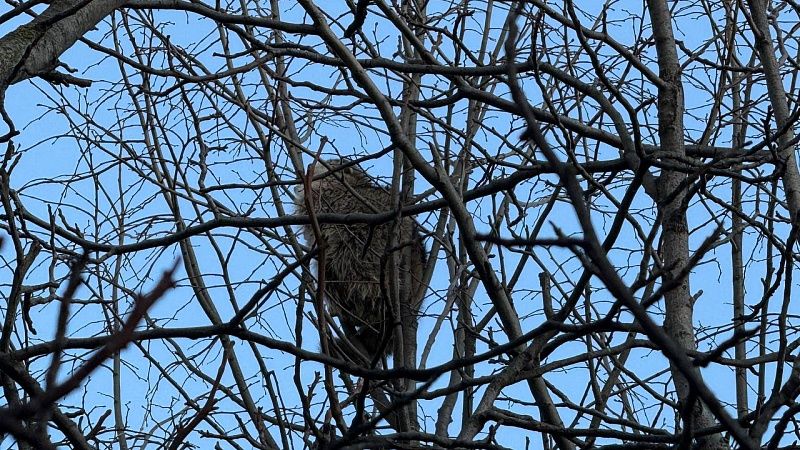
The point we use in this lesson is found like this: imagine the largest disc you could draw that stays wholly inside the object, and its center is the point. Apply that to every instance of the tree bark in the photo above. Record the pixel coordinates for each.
(672, 198)
(34, 48)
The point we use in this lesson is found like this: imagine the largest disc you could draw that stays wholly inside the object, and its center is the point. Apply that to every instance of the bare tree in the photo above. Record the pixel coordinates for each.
(608, 195)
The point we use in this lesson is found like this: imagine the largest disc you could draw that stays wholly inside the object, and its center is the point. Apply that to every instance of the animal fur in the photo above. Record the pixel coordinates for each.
(356, 255)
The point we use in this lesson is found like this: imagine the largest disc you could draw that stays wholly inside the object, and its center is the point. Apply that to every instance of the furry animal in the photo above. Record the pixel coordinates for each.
(357, 254)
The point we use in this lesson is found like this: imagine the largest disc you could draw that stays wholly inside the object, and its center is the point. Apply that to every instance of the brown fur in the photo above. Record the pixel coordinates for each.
(356, 254)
